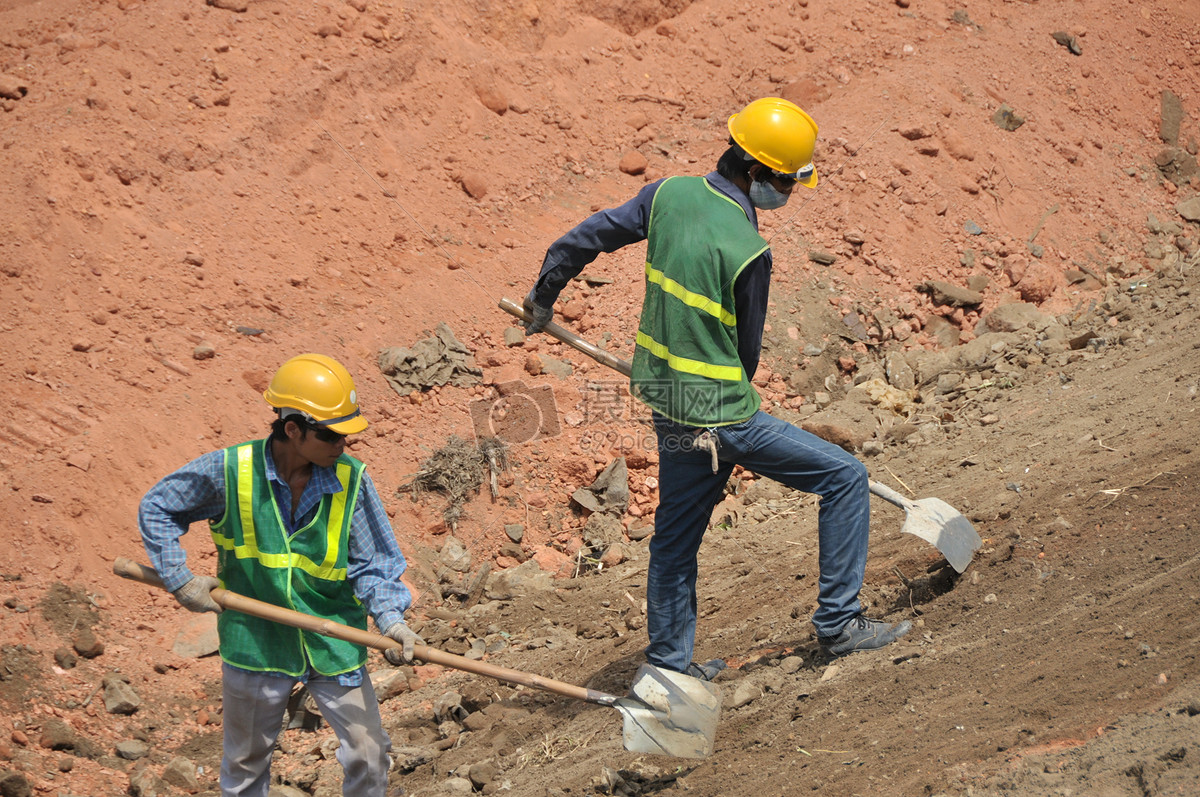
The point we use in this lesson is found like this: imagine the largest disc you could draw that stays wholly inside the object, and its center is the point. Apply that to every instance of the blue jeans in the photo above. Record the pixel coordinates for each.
(689, 490)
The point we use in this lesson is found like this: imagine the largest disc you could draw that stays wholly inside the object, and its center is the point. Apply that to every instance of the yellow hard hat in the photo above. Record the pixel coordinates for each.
(321, 389)
(779, 135)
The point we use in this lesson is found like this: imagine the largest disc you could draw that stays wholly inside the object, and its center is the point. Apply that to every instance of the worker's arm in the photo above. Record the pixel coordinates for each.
(605, 231)
(375, 563)
(193, 493)
(750, 294)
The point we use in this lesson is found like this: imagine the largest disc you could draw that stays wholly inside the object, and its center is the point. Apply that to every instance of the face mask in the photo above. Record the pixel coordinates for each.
(765, 196)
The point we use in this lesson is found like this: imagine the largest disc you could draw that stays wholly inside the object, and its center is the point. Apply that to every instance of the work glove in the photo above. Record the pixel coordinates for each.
(400, 632)
(194, 595)
(540, 315)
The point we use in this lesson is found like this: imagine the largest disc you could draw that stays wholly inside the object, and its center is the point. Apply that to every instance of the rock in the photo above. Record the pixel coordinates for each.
(1039, 282)
(639, 533)
(86, 644)
(525, 579)
(389, 683)
(120, 697)
(574, 309)
(556, 367)
(1189, 208)
(204, 351)
(57, 735)
(478, 721)
(833, 433)
(949, 295)
(15, 785)
(454, 555)
(1013, 316)
(197, 637)
(614, 555)
(899, 373)
(409, 757)
(132, 749)
(492, 97)
(1006, 118)
(483, 773)
(633, 162)
(457, 785)
(791, 664)
(181, 772)
(771, 680)
(946, 333)
(533, 364)
(915, 133)
(80, 459)
(1171, 118)
(144, 783)
(746, 692)
(229, 5)
(1068, 41)
(474, 184)
(65, 658)
(514, 336)
(12, 87)
(515, 531)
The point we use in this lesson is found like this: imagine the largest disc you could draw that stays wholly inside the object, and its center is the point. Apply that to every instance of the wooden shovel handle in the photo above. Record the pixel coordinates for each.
(571, 339)
(127, 568)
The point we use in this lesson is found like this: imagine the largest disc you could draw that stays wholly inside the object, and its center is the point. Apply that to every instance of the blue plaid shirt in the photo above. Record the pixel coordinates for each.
(196, 492)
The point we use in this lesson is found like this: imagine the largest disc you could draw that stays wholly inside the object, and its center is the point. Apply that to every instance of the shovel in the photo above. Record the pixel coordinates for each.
(667, 713)
(931, 519)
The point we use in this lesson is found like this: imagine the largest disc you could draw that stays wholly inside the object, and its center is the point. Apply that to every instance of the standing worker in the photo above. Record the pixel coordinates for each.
(708, 274)
(297, 523)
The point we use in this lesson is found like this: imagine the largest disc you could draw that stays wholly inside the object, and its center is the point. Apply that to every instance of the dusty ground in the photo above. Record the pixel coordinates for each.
(193, 193)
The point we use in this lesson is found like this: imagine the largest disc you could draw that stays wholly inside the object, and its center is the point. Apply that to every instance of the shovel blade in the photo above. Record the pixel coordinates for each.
(669, 713)
(940, 524)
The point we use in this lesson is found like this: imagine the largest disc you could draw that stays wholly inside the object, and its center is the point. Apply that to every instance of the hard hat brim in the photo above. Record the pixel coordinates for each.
(810, 181)
(352, 426)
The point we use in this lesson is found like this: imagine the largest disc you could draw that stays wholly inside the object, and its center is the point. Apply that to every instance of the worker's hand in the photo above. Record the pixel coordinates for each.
(540, 316)
(400, 632)
(194, 595)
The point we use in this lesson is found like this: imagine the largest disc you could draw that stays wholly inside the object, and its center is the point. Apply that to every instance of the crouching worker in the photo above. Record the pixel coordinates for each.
(297, 523)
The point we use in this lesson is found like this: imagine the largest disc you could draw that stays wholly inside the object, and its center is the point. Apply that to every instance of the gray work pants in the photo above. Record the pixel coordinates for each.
(254, 705)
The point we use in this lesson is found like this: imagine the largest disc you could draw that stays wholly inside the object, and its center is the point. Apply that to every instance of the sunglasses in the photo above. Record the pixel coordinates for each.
(325, 435)
(803, 173)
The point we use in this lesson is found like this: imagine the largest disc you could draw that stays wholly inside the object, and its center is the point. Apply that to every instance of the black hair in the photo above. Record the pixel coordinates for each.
(279, 432)
(733, 164)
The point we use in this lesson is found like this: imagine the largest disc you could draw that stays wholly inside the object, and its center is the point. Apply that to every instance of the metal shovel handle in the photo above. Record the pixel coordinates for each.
(127, 568)
(571, 339)
(612, 361)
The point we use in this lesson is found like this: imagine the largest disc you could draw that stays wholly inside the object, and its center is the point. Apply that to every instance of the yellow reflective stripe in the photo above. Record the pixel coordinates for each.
(730, 373)
(282, 560)
(249, 547)
(337, 514)
(690, 298)
(245, 468)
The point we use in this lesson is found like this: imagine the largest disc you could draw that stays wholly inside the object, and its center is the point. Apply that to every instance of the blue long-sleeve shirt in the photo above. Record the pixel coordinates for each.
(609, 230)
(196, 492)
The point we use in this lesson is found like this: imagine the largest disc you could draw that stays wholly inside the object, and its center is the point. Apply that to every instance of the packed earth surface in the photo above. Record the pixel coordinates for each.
(991, 298)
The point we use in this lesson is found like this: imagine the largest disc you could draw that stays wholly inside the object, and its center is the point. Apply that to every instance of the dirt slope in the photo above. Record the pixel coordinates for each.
(195, 192)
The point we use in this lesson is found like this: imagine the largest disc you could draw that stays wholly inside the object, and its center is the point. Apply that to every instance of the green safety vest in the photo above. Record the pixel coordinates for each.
(686, 363)
(305, 571)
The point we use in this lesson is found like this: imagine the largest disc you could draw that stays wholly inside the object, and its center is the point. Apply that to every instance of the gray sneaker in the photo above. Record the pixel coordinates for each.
(706, 671)
(862, 634)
